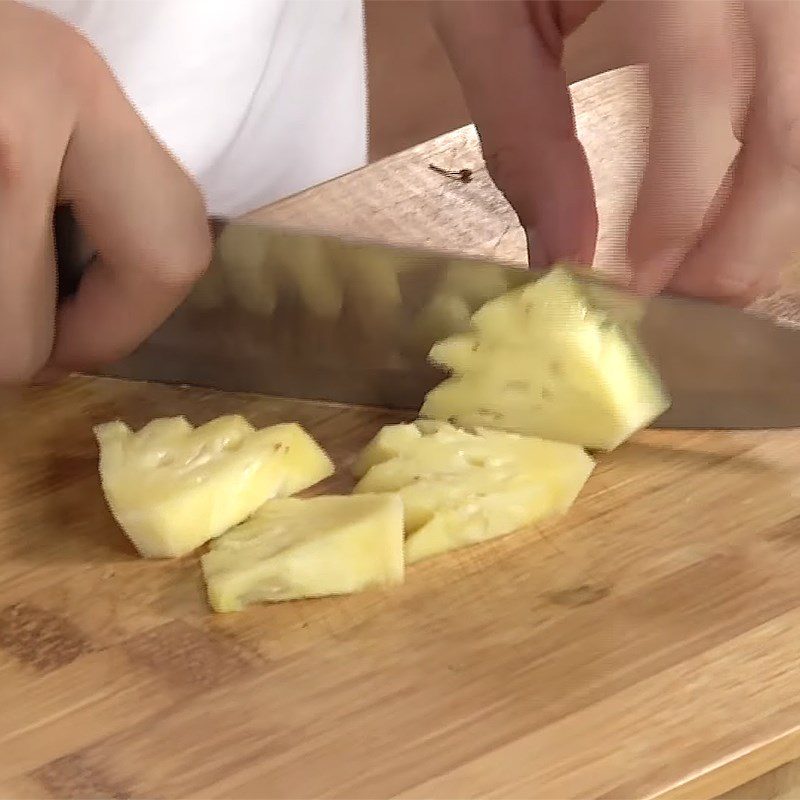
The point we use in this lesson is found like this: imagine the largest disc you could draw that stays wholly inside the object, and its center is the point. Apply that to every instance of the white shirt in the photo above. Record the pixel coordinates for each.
(258, 99)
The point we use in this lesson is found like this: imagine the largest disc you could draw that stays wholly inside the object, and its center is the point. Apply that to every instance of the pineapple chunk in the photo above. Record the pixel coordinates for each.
(390, 441)
(459, 488)
(300, 548)
(172, 487)
(550, 361)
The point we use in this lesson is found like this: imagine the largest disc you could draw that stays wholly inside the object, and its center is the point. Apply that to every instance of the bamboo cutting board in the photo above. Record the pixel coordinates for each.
(646, 646)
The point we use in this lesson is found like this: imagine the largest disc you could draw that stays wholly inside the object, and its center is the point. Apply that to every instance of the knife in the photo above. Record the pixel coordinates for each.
(298, 314)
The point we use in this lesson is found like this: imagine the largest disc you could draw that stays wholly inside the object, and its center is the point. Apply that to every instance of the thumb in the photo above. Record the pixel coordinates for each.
(507, 59)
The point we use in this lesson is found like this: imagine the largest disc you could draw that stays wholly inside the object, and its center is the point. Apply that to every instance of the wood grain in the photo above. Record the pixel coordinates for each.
(782, 783)
(645, 646)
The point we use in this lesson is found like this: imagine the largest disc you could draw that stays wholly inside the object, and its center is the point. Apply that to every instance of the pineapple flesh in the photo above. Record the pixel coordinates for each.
(548, 360)
(172, 487)
(296, 548)
(459, 488)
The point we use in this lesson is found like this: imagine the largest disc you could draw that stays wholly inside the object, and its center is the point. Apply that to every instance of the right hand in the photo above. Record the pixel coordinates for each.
(68, 134)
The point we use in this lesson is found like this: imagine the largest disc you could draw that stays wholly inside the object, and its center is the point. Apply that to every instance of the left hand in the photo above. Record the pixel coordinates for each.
(697, 229)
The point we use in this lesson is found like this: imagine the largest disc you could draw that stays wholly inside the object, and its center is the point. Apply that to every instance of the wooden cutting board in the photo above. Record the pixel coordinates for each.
(646, 646)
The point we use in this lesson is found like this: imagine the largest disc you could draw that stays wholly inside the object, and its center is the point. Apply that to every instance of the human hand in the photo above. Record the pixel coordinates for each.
(696, 229)
(68, 134)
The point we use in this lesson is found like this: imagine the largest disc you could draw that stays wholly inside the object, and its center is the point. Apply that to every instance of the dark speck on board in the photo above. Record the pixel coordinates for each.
(186, 657)
(39, 638)
(582, 595)
(73, 777)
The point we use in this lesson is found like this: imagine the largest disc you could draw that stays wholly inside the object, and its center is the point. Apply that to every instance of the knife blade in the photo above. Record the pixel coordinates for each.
(298, 314)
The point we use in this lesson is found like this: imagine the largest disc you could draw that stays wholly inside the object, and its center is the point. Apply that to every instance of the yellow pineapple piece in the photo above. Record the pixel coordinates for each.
(390, 441)
(172, 487)
(549, 360)
(461, 487)
(300, 548)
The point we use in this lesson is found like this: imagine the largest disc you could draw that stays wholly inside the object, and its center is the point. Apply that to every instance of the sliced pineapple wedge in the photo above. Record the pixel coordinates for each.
(551, 361)
(461, 487)
(172, 487)
(300, 548)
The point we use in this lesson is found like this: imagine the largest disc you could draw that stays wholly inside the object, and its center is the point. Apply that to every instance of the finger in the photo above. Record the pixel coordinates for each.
(27, 285)
(30, 156)
(507, 58)
(743, 63)
(143, 215)
(755, 235)
(690, 141)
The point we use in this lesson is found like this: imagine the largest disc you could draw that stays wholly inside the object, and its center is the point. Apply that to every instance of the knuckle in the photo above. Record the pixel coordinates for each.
(182, 262)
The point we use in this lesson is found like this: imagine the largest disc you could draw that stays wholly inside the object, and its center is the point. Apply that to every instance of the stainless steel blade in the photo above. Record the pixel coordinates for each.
(301, 315)
(724, 368)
